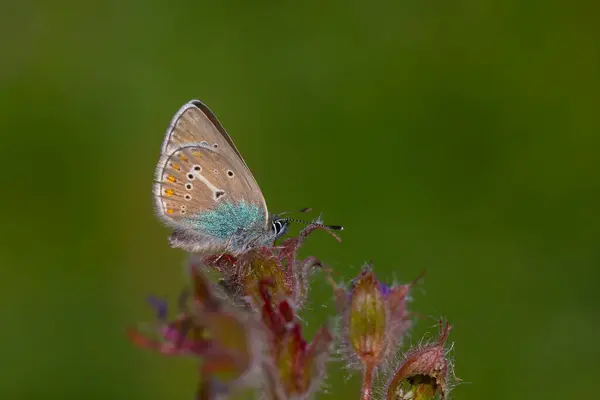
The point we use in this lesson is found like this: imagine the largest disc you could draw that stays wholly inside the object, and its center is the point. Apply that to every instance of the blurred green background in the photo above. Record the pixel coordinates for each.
(462, 137)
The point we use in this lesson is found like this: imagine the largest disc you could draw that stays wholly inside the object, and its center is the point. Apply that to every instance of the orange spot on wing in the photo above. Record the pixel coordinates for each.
(171, 178)
(169, 192)
(170, 211)
(176, 167)
(183, 157)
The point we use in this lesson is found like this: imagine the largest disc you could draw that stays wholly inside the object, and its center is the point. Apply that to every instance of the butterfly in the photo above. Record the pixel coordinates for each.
(204, 190)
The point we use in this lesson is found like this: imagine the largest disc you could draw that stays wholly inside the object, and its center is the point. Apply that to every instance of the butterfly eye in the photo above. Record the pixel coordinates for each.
(276, 226)
(279, 227)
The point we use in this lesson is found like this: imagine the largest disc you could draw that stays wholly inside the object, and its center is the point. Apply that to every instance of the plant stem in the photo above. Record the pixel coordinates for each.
(367, 382)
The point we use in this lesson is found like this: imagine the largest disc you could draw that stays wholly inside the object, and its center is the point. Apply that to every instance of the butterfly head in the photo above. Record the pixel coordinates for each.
(279, 226)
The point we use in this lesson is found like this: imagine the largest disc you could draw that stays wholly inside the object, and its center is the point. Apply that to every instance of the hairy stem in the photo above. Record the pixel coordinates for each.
(367, 382)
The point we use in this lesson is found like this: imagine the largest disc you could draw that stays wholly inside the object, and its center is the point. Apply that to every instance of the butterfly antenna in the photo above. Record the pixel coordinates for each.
(304, 210)
(332, 227)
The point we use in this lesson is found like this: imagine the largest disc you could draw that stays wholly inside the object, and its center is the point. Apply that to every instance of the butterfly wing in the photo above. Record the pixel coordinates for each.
(209, 199)
(194, 123)
(195, 146)
(196, 179)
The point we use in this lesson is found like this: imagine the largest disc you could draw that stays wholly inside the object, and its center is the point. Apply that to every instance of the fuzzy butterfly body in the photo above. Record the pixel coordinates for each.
(204, 190)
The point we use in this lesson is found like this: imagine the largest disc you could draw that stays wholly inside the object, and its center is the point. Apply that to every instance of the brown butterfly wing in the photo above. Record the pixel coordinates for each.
(195, 126)
(194, 123)
(197, 179)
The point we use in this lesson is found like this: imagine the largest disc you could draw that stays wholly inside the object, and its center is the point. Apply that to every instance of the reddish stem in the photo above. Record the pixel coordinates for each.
(367, 383)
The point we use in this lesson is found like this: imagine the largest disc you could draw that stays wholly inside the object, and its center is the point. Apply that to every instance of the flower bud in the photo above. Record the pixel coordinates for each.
(278, 264)
(296, 368)
(226, 341)
(374, 318)
(374, 321)
(423, 372)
